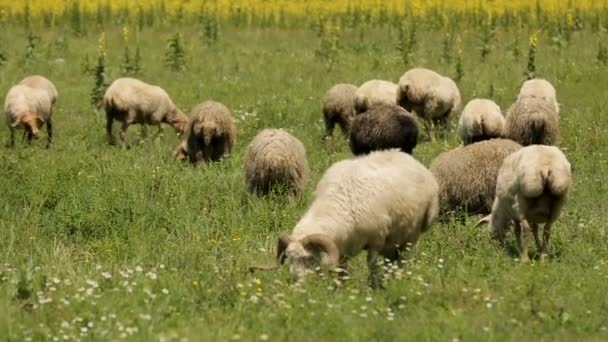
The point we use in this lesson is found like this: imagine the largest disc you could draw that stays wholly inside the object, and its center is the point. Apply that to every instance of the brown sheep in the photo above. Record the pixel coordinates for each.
(339, 107)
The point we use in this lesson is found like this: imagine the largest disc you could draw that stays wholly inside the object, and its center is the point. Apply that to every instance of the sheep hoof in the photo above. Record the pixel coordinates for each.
(543, 257)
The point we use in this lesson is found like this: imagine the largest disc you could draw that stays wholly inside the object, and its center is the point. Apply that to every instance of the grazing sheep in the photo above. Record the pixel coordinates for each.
(431, 96)
(467, 175)
(539, 89)
(275, 158)
(374, 92)
(531, 189)
(30, 108)
(40, 82)
(531, 121)
(481, 119)
(132, 101)
(383, 127)
(381, 202)
(210, 133)
(339, 107)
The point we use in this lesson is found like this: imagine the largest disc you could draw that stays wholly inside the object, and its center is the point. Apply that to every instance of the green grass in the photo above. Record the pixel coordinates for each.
(102, 243)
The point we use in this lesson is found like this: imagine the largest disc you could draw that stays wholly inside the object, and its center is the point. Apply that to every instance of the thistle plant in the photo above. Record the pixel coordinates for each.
(531, 67)
(458, 66)
(175, 55)
(329, 45)
(602, 53)
(406, 42)
(31, 48)
(99, 72)
(211, 28)
(130, 65)
(487, 38)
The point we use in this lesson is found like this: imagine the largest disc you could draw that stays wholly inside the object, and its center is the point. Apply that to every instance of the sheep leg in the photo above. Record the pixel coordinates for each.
(446, 128)
(374, 269)
(329, 128)
(546, 240)
(109, 122)
(144, 131)
(11, 142)
(123, 133)
(522, 229)
(537, 241)
(49, 131)
(428, 126)
(30, 135)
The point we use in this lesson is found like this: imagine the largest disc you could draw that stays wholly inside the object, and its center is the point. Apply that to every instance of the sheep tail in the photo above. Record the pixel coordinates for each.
(538, 129)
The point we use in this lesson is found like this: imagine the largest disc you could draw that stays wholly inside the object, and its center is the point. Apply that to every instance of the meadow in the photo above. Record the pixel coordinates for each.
(103, 243)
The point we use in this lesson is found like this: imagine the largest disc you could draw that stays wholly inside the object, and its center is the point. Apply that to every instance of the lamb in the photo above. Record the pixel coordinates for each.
(532, 121)
(532, 186)
(431, 96)
(382, 127)
(132, 101)
(374, 92)
(275, 158)
(539, 89)
(481, 119)
(210, 133)
(339, 107)
(30, 108)
(381, 202)
(467, 175)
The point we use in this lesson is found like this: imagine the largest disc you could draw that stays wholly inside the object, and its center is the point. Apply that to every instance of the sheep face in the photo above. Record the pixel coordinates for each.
(31, 122)
(303, 255)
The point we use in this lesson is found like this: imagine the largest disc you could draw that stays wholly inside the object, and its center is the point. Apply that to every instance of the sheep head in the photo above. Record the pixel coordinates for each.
(177, 119)
(305, 254)
(180, 152)
(30, 121)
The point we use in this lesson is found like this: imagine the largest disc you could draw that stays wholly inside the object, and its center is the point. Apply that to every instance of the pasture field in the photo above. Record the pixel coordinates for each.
(103, 243)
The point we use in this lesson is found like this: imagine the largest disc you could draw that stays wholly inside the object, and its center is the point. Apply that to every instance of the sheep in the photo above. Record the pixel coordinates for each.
(374, 92)
(381, 202)
(481, 119)
(30, 108)
(210, 133)
(540, 89)
(532, 121)
(467, 175)
(532, 186)
(40, 82)
(132, 101)
(275, 158)
(431, 96)
(383, 127)
(339, 107)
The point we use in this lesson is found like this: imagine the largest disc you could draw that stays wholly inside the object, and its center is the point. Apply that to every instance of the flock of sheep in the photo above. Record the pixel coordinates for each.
(382, 199)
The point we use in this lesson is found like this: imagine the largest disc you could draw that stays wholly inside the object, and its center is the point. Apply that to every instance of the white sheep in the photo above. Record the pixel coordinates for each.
(540, 89)
(132, 101)
(531, 189)
(432, 97)
(381, 202)
(481, 119)
(374, 92)
(275, 158)
(30, 108)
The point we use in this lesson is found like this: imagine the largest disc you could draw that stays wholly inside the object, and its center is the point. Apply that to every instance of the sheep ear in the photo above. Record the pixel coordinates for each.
(484, 220)
(282, 243)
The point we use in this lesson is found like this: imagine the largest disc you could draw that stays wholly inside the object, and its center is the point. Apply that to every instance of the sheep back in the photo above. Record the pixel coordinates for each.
(378, 201)
(530, 122)
(375, 92)
(383, 127)
(210, 133)
(467, 175)
(539, 89)
(40, 82)
(275, 158)
(339, 106)
(481, 119)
